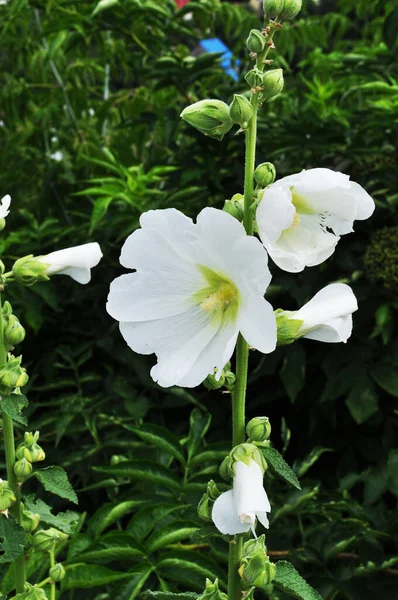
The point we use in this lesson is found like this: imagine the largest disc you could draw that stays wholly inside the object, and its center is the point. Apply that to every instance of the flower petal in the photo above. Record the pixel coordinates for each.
(262, 517)
(333, 301)
(257, 323)
(317, 180)
(5, 205)
(275, 213)
(334, 331)
(75, 262)
(249, 493)
(366, 205)
(225, 517)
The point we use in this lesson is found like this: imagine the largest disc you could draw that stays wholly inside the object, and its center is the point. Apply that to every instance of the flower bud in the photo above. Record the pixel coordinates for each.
(216, 381)
(291, 8)
(256, 41)
(287, 326)
(255, 567)
(2, 267)
(254, 78)
(29, 520)
(31, 438)
(241, 110)
(265, 174)
(7, 496)
(2, 224)
(212, 592)
(272, 84)
(57, 573)
(32, 592)
(12, 375)
(235, 206)
(6, 309)
(45, 539)
(206, 503)
(28, 270)
(243, 453)
(14, 333)
(258, 429)
(211, 117)
(22, 469)
(30, 449)
(273, 8)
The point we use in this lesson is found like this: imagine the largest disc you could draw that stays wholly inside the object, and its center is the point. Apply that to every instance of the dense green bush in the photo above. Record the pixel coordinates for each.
(91, 137)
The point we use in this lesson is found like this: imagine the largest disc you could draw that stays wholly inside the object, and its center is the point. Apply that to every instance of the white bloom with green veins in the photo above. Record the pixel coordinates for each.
(196, 286)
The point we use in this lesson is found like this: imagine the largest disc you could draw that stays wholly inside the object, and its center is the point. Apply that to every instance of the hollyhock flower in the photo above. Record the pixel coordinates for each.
(76, 262)
(4, 206)
(236, 511)
(300, 218)
(196, 286)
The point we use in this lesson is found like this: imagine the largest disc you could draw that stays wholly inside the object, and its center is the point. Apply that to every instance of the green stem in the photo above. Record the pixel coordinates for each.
(9, 449)
(52, 564)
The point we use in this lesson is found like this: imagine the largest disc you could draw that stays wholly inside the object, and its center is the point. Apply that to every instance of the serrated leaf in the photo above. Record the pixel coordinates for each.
(290, 581)
(83, 576)
(62, 521)
(280, 466)
(12, 405)
(159, 437)
(170, 534)
(142, 470)
(55, 480)
(13, 537)
(150, 595)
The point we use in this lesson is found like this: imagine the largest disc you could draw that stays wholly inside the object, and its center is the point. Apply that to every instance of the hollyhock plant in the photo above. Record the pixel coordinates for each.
(76, 262)
(236, 511)
(300, 218)
(196, 286)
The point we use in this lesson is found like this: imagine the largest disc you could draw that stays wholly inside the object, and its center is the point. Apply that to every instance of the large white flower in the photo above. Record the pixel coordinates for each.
(236, 511)
(4, 206)
(301, 217)
(76, 262)
(327, 317)
(195, 287)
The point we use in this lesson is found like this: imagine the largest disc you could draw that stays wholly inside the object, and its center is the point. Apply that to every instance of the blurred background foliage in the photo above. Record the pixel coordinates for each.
(90, 136)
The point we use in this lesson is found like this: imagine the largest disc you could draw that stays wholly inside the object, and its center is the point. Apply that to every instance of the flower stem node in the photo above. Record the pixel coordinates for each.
(241, 110)
(29, 270)
(29, 520)
(272, 84)
(206, 503)
(265, 174)
(22, 469)
(12, 375)
(255, 568)
(57, 573)
(291, 8)
(256, 41)
(254, 78)
(46, 539)
(210, 117)
(235, 206)
(30, 449)
(7, 497)
(258, 429)
(212, 592)
(273, 8)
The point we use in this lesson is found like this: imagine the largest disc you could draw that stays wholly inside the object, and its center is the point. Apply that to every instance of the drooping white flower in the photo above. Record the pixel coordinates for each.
(195, 287)
(236, 511)
(75, 262)
(327, 317)
(5, 206)
(300, 218)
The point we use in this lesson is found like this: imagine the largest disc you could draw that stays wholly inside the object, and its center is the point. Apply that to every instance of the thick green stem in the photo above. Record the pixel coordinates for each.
(52, 564)
(9, 449)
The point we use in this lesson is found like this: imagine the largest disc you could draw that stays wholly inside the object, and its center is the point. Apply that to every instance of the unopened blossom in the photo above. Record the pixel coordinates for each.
(196, 286)
(76, 262)
(300, 218)
(236, 511)
(5, 206)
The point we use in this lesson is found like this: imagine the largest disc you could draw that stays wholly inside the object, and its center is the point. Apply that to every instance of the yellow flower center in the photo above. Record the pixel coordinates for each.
(296, 219)
(219, 295)
(219, 299)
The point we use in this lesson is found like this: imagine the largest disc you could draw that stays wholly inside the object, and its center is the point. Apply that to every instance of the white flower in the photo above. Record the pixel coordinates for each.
(236, 511)
(75, 262)
(57, 156)
(4, 206)
(327, 317)
(301, 217)
(195, 287)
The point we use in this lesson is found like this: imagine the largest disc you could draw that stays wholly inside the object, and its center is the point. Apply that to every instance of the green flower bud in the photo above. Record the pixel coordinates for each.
(272, 84)
(291, 8)
(273, 8)
(31, 438)
(14, 333)
(241, 110)
(12, 375)
(29, 520)
(6, 309)
(206, 503)
(212, 592)
(265, 174)
(258, 429)
(215, 382)
(254, 78)
(2, 223)
(57, 573)
(2, 268)
(46, 539)
(31, 592)
(287, 327)
(22, 469)
(211, 117)
(243, 453)
(7, 496)
(255, 567)
(256, 41)
(235, 206)
(28, 270)
(118, 458)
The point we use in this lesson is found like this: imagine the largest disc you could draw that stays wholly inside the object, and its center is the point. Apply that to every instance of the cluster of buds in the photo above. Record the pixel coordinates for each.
(212, 592)
(28, 452)
(45, 540)
(205, 506)
(256, 569)
(13, 332)
(218, 380)
(12, 375)
(284, 10)
(7, 497)
(268, 85)
(31, 592)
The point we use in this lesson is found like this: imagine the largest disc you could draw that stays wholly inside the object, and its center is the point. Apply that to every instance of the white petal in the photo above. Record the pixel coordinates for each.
(257, 323)
(75, 262)
(262, 517)
(334, 331)
(275, 213)
(366, 204)
(5, 205)
(249, 493)
(225, 517)
(333, 301)
(170, 222)
(317, 180)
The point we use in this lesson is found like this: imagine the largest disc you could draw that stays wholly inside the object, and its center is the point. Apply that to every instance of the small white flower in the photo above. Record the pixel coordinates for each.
(195, 287)
(57, 155)
(236, 511)
(5, 206)
(327, 317)
(301, 217)
(75, 262)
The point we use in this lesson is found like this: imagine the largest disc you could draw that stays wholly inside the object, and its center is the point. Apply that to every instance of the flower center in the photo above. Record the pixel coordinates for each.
(248, 518)
(296, 219)
(222, 298)
(300, 203)
(218, 296)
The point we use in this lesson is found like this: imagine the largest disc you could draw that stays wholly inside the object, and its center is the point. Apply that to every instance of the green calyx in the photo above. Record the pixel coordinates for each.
(7, 496)
(29, 270)
(22, 469)
(256, 41)
(265, 174)
(256, 569)
(287, 327)
(273, 8)
(57, 573)
(12, 375)
(206, 503)
(235, 207)
(215, 381)
(212, 592)
(29, 520)
(210, 117)
(31, 592)
(46, 539)
(30, 449)
(258, 429)
(241, 110)
(272, 84)
(291, 8)
(245, 453)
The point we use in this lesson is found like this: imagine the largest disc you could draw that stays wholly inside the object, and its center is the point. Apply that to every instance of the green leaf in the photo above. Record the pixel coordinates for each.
(362, 400)
(62, 521)
(142, 523)
(103, 5)
(386, 376)
(301, 467)
(290, 581)
(393, 471)
(55, 480)
(143, 470)
(12, 405)
(13, 539)
(99, 211)
(83, 576)
(280, 466)
(109, 514)
(128, 590)
(170, 534)
(292, 372)
(110, 547)
(190, 567)
(150, 595)
(198, 426)
(159, 437)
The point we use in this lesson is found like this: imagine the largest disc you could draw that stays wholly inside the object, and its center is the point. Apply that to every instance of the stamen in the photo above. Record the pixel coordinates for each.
(296, 219)
(219, 299)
